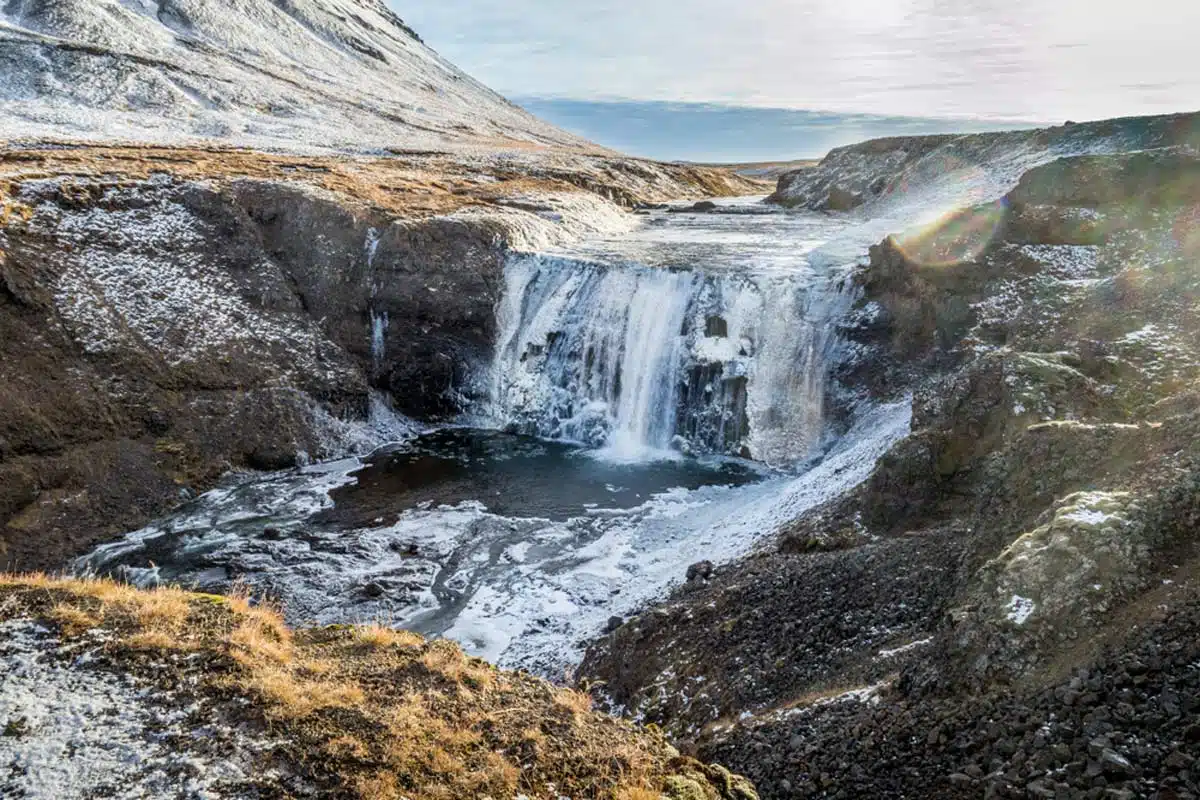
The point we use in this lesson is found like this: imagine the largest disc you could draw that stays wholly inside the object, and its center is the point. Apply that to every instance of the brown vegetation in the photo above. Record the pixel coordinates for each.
(373, 712)
(409, 185)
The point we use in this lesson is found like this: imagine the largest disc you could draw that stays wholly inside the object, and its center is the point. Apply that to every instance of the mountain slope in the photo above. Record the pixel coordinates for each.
(273, 74)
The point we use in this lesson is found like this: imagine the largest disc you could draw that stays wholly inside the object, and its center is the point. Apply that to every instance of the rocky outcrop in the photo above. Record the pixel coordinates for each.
(849, 176)
(934, 169)
(999, 608)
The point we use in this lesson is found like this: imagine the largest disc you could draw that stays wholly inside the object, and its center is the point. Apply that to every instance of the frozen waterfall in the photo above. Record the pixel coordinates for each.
(636, 359)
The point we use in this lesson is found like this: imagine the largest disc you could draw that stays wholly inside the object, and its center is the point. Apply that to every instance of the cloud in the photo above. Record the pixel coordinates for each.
(1033, 59)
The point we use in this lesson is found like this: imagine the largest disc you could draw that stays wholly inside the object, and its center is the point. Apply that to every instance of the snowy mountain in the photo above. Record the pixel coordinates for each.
(343, 75)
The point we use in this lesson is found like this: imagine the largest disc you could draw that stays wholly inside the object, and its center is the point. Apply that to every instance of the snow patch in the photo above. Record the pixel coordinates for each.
(895, 651)
(1020, 609)
(75, 731)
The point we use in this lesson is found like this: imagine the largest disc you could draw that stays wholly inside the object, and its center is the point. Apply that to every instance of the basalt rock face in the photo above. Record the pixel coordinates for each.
(1004, 608)
(410, 300)
(158, 333)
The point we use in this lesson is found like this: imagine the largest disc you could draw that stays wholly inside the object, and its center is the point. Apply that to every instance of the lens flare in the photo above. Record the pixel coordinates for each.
(956, 237)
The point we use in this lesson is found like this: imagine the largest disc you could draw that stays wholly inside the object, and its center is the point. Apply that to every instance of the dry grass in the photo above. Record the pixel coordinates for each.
(378, 713)
(575, 701)
(638, 793)
(383, 637)
(407, 185)
(72, 620)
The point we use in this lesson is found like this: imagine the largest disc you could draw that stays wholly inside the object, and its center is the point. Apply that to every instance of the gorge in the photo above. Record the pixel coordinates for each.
(884, 484)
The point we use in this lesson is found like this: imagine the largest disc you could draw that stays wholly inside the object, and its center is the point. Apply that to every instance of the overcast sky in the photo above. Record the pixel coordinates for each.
(1018, 59)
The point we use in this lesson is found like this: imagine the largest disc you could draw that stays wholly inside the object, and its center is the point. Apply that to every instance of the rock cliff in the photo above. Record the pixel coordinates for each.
(955, 166)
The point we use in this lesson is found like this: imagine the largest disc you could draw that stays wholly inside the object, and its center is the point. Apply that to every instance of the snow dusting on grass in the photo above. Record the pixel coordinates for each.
(74, 731)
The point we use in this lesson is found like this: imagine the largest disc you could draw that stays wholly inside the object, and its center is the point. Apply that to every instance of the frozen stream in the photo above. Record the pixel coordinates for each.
(641, 388)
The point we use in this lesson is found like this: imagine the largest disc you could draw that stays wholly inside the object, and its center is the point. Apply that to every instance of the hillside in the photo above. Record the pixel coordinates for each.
(343, 75)
(963, 168)
(111, 691)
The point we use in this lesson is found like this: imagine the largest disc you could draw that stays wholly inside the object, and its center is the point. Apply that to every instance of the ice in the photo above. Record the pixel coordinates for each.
(524, 592)
(729, 355)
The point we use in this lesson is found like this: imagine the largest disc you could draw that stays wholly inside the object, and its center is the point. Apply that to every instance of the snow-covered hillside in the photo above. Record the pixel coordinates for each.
(272, 74)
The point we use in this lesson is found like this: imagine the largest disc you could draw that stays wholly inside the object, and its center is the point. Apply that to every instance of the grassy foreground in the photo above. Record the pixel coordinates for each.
(371, 712)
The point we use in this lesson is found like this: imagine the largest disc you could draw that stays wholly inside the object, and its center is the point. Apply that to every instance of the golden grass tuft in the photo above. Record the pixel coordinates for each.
(446, 660)
(381, 786)
(573, 700)
(638, 793)
(72, 619)
(162, 610)
(290, 695)
(383, 637)
(261, 636)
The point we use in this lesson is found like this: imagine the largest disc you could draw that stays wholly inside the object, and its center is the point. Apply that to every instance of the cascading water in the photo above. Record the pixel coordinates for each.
(379, 320)
(379, 326)
(638, 359)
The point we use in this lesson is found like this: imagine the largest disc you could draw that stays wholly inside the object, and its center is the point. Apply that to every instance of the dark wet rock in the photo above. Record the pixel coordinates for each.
(702, 207)
(700, 571)
(716, 326)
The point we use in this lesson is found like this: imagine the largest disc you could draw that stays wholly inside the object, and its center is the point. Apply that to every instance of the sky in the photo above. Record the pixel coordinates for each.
(1037, 60)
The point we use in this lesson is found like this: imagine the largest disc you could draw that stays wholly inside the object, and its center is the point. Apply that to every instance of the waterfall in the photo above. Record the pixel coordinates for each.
(379, 321)
(635, 359)
(379, 326)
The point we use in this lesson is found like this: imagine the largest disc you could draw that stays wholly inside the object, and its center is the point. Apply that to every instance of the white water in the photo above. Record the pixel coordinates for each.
(728, 356)
(379, 326)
